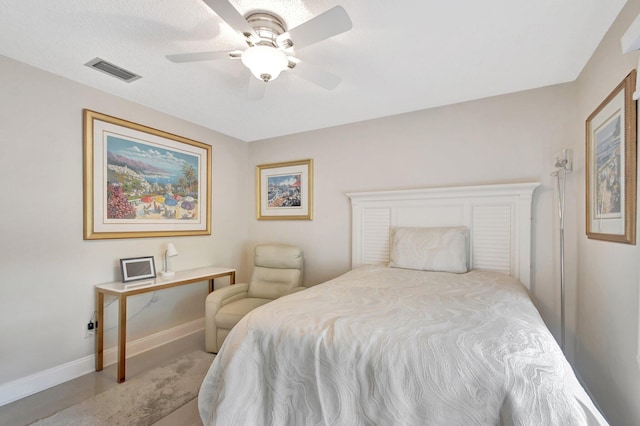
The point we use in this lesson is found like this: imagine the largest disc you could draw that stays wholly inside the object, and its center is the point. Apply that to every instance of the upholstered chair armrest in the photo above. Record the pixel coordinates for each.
(215, 300)
(221, 297)
(294, 290)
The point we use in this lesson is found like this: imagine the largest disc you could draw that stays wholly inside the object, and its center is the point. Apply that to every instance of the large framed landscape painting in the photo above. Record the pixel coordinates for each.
(284, 191)
(143, 182)
(611, 139)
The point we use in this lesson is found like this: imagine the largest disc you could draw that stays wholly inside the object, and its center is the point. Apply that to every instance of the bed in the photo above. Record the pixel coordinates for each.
(399, 340)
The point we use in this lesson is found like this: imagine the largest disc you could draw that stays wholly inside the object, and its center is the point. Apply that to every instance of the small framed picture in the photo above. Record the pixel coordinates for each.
(611, 166)
(137, 268)
(284, 191)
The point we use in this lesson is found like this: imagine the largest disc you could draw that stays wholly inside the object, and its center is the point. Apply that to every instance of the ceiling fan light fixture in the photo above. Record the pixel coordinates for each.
(265, 62)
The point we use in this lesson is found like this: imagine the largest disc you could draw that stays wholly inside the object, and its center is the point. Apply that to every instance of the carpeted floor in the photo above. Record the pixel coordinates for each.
(142, 400)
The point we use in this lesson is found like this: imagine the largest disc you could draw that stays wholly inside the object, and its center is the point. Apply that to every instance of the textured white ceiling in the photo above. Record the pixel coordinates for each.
(400, 56)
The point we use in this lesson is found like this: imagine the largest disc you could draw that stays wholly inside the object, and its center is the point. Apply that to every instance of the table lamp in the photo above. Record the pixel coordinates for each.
(169, 252)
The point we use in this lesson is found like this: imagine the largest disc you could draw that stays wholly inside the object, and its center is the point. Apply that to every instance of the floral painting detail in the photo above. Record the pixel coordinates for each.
(118, 206)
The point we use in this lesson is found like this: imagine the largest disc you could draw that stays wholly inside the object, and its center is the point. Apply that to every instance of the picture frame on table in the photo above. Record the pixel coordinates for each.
(284, 191)
(137, 268)
(143, 182)
(611, 144)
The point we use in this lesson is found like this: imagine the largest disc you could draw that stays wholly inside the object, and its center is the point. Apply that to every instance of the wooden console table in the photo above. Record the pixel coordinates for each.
(122, 291)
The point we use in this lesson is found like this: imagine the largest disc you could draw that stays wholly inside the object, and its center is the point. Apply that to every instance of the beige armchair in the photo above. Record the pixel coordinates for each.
(278, 271)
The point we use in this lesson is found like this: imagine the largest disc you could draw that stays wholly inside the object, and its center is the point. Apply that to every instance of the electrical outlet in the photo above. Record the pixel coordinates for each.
(90, 330)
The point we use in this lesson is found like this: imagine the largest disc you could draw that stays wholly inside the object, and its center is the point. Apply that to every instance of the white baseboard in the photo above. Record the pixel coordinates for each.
(25, 386)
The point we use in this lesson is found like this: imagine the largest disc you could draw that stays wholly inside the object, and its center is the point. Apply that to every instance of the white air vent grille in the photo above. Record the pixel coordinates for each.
(112, 70)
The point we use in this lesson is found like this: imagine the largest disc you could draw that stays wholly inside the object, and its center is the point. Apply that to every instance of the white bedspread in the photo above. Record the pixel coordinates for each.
(384, 346)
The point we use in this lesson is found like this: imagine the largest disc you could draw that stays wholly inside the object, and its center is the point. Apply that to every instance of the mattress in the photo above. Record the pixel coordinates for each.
(389, 346)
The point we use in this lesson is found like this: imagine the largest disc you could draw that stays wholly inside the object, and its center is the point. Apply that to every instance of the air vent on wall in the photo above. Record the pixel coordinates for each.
(112, 70)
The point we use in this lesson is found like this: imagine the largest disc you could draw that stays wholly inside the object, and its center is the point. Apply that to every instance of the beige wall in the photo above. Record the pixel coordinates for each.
(47, 271)
(608, 272)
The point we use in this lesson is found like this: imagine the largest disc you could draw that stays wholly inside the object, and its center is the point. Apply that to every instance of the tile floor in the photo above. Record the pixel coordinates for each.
(34, 407)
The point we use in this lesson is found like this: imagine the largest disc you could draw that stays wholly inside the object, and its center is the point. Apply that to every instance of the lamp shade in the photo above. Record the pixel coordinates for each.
(265, 62)
(171, 250)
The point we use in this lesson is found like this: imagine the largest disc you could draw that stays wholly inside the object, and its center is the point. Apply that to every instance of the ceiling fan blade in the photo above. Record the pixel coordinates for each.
(256, 89)
(316, 75)
(201, 56)
(328, 24)
(232, 17)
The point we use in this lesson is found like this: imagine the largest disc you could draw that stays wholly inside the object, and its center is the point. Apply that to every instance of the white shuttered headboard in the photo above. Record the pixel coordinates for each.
(498, 218)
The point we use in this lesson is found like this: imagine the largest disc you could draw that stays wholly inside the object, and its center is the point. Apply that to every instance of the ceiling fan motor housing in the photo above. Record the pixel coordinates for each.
(268, 27)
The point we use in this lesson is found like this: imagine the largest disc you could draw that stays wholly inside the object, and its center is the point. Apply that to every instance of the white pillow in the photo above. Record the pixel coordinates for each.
(429, 249)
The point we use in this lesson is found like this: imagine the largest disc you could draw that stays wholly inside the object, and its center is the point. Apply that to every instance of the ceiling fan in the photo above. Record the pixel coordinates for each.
(271, 44)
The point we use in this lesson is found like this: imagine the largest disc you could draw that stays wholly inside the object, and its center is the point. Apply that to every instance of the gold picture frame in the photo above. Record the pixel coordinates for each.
(143, 182)
(284, 191)
(611, 143)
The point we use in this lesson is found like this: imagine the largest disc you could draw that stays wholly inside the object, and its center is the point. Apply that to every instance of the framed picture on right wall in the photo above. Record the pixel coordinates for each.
(611, 139)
